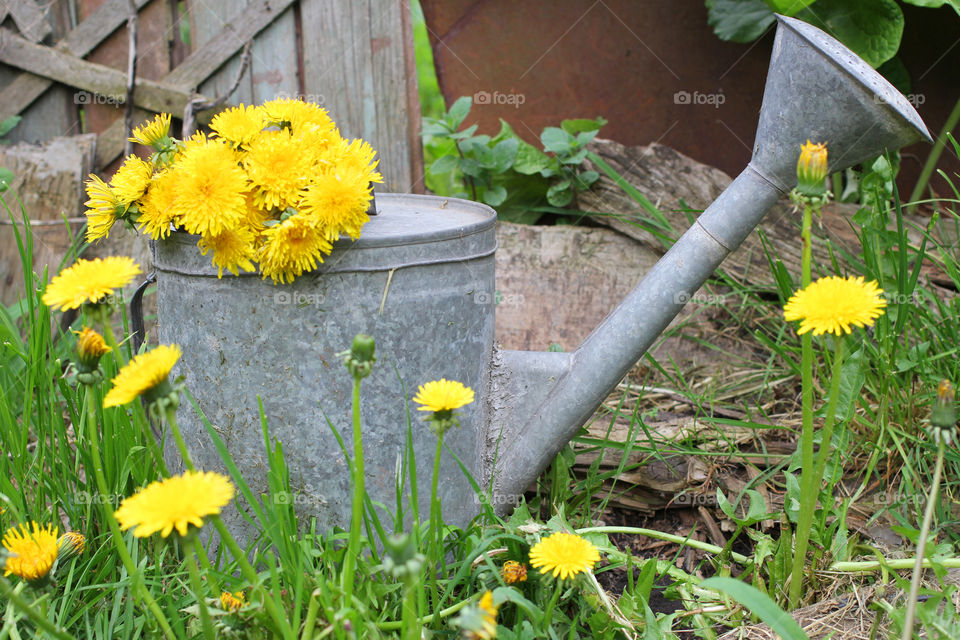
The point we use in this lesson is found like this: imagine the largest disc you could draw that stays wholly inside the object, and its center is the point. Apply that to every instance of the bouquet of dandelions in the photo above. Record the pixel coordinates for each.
(273, 184)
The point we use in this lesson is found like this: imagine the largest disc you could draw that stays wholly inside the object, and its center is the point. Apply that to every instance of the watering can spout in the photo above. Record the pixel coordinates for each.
(816, 89)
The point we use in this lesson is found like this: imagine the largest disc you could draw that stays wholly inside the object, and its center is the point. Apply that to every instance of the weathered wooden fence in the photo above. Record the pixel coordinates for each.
(64, 69)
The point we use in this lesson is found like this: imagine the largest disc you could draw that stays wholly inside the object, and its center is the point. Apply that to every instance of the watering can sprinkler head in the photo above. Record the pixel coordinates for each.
(816, 89)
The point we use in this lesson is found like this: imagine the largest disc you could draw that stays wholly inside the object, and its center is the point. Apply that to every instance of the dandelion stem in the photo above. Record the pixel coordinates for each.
(356, 513)
(651, 533)
(548, 612)
(922, 542)
(393, 625)
(808, 482)
(436, 525)
(198, 592)
(105, 505)
(12, 596)
(178, 437)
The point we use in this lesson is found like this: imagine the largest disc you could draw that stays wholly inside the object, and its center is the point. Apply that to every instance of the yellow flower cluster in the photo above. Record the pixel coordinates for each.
(273, 184)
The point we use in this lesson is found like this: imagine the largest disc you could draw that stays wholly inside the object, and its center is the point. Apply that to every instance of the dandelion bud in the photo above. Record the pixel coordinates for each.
(90, 348)
(359, 360)
(944, 414)
(71, 544)
(812, 169)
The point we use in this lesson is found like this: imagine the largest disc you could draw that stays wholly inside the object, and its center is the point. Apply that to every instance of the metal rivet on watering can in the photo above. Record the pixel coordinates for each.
(421, 281)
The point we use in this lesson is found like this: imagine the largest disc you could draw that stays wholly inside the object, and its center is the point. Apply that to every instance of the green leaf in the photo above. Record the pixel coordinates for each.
(579, 125)
(495, 195)
(789, 7)
(871, 28)
(852, 377)
(560, 194)
(459, 111)
(444, 164)
(934, 4)
(7, 124)
(504, 154)
(556, 140)
(759, 604)
(739, 20)
(530, 160)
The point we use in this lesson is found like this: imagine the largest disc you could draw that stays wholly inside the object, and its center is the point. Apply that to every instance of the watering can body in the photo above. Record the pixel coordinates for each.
(421, 281)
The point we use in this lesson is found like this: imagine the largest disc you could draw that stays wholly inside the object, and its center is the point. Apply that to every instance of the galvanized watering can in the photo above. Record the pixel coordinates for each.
(421, 281)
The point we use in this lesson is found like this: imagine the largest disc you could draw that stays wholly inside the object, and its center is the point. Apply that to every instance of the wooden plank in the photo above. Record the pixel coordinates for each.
(55, 112)
(356, 58)
(207, 20)
(27, 87)
(274, 59)
(30, 19)
(203, 62)
(199, 65)
(103, 81)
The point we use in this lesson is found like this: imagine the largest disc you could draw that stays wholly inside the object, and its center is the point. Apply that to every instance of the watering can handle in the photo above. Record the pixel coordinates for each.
(136, 312)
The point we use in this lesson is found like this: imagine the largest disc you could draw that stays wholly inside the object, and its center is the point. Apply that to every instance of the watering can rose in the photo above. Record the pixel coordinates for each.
(273, 184)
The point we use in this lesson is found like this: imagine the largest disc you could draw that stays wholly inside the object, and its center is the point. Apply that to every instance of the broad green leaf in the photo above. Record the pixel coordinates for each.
(444, 164)
(789, 7)
(556, 140)
(852, 377)
(504, 154)
(759, 604)
(579, 125)
(934, 4)
(871, 28)
(560, 194)
(459, 111)
(495, 195)
(739, 20)
(530, 160)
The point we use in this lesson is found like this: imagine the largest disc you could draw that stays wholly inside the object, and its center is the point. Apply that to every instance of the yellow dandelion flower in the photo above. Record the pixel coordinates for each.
(103, 208)
(90, 348)
(513, 572)
(33, 550)
(232, 601)
(338, 202)
(298, 115)
(89, 281)
(443, 395)
(564, 554)
(210, 189)
(175, 503)
(278, 169)
(131, 180)
(232, 250)
(292, 247)
(833, 304)
(479, 622)
(145, 375)
(354, 156)
(154, 133)
(239, 125)
(157, 214)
